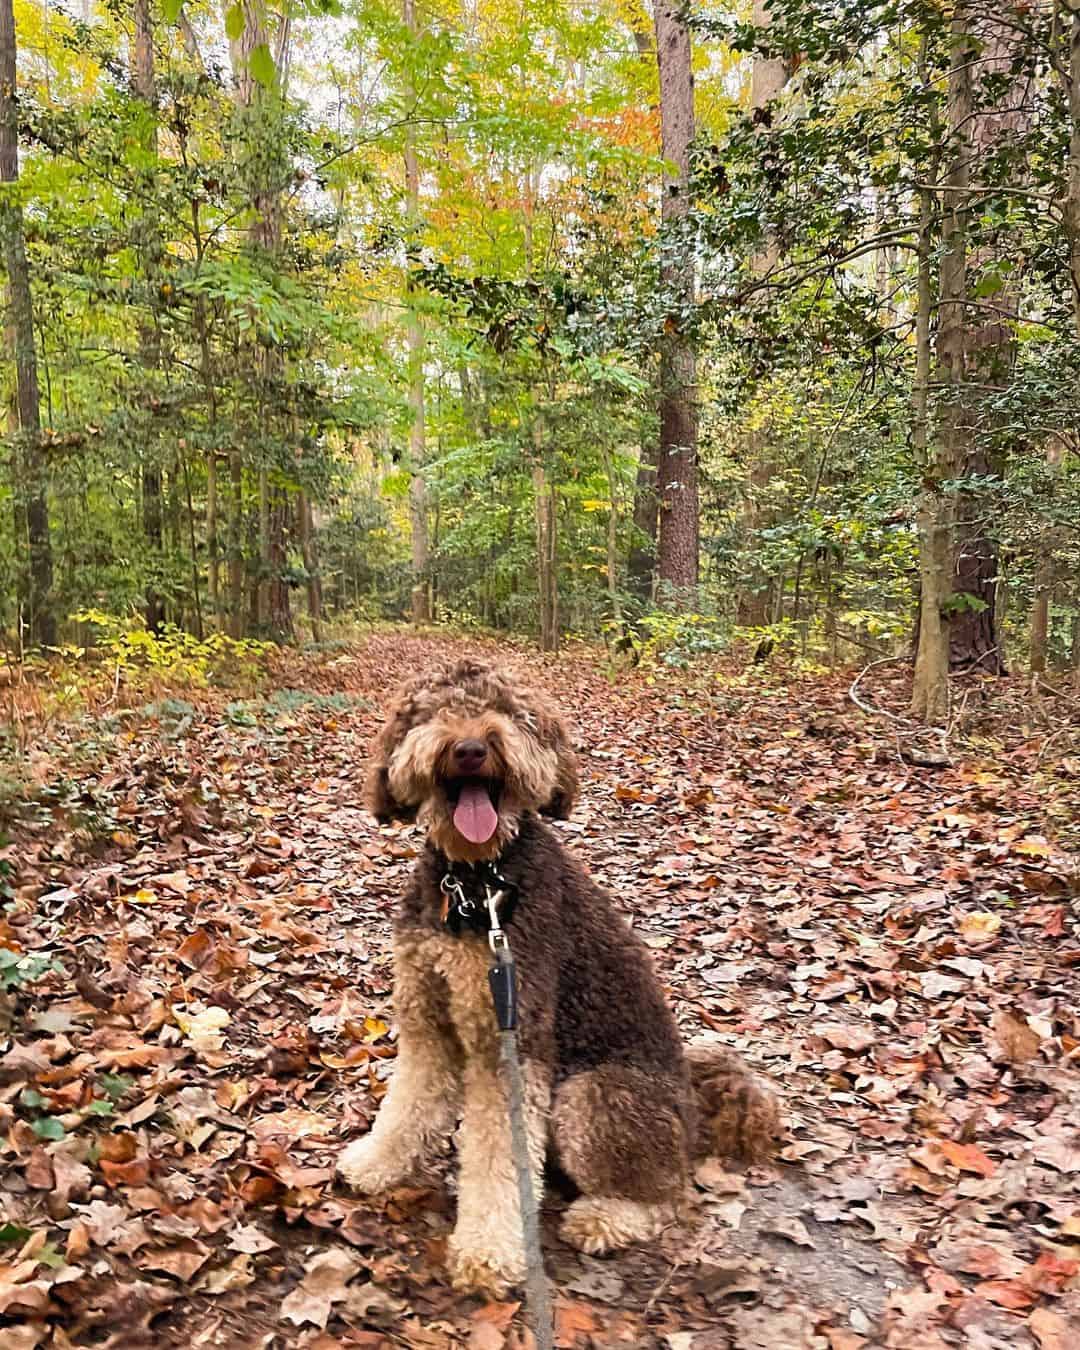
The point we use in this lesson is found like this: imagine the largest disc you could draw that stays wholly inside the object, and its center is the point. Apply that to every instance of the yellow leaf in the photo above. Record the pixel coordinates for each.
(1033, 848)
(979, 925)
(203, 1029)
(374, 1027)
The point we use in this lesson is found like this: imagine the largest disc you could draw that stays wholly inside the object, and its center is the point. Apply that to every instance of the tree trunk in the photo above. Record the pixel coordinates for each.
(265, 170)
(30, 472)
(236, 544)
(930, 685)
(149, 238)
(1071, 212)
(307, 552)
(212, 568)
(755, 600)
(280, 614)
(677, 476)
(546, 579)
(641, 563)
(418, 522)
(990, 353)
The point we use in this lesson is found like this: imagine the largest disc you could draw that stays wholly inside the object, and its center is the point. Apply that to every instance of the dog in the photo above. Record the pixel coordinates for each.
(623, 1108)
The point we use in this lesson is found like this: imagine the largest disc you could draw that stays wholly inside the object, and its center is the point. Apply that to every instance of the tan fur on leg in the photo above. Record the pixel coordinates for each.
(486, 1252)
(606, 1223)
(421, 1105)
(419, 1110)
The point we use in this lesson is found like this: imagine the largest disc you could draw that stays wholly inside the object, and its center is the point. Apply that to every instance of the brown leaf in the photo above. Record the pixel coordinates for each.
(1050, 1330)
(1013, 1039)
(182, 1261)
(573, 1321)
(486, 1336)
(1012, 1294)
(792, 1228)
(967, 1157)
(324, 1284)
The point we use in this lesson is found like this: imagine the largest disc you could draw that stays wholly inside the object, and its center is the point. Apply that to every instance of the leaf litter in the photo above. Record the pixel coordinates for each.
(895, 947)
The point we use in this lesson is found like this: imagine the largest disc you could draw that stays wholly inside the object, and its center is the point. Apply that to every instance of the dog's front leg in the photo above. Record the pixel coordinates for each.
(421, 1105)
(486, 1252)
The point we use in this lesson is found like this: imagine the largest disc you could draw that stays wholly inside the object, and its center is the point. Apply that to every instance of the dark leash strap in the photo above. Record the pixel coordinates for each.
(502, 977)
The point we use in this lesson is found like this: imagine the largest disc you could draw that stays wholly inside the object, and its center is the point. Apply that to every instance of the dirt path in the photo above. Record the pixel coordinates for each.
(895, 947)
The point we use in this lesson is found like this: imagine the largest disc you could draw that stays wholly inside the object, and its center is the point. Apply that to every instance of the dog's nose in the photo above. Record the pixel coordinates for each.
(469, 756)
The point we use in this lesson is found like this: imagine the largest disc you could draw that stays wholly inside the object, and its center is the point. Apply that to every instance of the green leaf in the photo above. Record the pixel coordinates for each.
(116, 1084)
(170, 10)
(48, 1127)
(234, 22)
(261, 65)
(11, 1233)
(100, 1107)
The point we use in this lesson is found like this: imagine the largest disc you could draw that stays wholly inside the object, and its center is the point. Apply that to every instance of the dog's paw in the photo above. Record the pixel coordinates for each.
(482, 1264)
(365, 1167)
(596, 1224)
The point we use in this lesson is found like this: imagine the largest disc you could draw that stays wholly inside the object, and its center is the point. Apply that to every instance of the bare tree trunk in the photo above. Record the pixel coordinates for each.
(145, 88)
(1044, 576)
(212, 570)
(546, 575)
(767, 79)
(30, 475)
(641, 563)
(236, 544)
(261, 610)
(991, 349)
(307, 552)
(1071, 212)
(613, 541)
(281, 624)
(930, 688)
(677, 477)
(262, 106)
(418, 521)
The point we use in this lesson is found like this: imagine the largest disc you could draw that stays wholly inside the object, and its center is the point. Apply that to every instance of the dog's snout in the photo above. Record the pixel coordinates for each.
(469, 756)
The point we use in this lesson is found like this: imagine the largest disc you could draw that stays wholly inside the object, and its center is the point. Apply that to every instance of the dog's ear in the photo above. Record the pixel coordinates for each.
(554, 734)
(378, 798)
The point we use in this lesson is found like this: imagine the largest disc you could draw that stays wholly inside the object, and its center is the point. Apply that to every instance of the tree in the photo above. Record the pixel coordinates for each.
(768, 76)
(677, 475)
(30, 477)
(258, 76)
(418, 523)
(144, 86)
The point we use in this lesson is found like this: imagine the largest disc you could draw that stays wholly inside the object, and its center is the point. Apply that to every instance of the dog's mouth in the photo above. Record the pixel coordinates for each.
(475, 802)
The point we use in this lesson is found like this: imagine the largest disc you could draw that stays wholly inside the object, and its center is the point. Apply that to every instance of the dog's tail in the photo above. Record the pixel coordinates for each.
(738, 1116)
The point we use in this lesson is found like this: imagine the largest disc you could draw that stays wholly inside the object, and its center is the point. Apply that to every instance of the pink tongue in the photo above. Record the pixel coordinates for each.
(474, 815)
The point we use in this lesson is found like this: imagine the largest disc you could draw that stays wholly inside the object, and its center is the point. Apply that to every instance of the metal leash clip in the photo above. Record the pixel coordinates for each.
(496, 936)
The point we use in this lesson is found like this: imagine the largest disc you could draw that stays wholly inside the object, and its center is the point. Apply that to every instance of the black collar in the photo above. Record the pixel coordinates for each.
(466, 888)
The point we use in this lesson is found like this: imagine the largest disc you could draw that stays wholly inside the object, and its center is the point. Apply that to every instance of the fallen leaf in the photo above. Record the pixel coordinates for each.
(325, 1282)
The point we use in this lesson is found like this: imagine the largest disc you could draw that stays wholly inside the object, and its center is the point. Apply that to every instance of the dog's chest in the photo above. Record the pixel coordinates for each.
(457, 969)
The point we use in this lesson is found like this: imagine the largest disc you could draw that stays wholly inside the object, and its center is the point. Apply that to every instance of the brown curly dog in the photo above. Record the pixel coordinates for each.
(477, 757)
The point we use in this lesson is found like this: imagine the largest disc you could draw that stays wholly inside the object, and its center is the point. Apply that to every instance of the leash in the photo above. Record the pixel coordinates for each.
(502, 977)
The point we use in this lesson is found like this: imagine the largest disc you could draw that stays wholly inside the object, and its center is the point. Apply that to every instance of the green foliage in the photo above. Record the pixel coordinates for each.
(18, 969)
(173, 655)
(228, 295)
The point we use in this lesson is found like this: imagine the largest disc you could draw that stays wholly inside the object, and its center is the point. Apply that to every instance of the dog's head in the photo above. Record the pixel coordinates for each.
(467, 750)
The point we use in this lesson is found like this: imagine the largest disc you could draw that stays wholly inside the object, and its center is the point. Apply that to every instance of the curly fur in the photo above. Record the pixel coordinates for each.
(611, 1092)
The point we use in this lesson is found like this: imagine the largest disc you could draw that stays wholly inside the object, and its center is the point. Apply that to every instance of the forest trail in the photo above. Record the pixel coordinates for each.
(896, 947)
